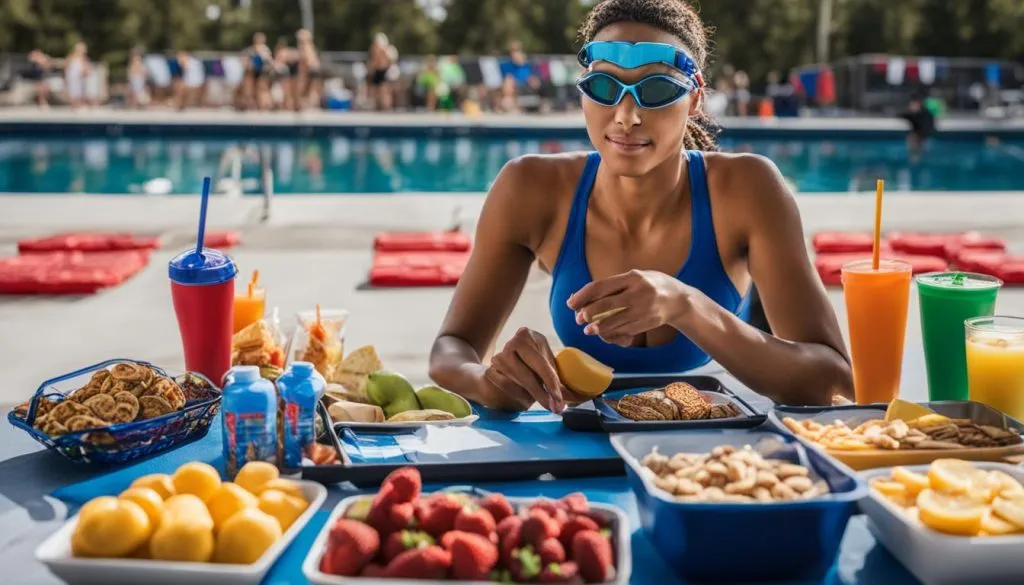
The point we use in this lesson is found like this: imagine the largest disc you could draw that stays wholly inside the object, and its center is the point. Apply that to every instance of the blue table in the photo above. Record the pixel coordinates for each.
(29, 513)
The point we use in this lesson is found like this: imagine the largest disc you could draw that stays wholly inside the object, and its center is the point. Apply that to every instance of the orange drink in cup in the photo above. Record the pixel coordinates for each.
(251, 305)
(876, 311)
(995, 363)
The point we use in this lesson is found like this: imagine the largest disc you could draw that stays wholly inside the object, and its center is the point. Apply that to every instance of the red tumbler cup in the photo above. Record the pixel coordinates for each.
(203, 291)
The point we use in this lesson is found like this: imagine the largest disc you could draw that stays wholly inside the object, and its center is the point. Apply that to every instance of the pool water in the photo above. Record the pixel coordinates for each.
(418, 164)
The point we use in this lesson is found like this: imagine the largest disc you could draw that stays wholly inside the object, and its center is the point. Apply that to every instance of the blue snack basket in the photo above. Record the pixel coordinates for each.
(125, 442)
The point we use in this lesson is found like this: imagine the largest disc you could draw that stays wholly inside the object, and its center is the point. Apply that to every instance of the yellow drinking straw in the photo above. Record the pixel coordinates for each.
(252, 283)
(876, 248)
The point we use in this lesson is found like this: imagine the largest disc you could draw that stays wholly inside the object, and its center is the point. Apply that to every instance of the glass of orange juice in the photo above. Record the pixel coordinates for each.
(876, 310)
(249, 308)
(995, 363)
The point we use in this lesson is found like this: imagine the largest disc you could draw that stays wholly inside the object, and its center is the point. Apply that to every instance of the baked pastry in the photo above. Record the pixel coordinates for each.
(634, 409)
(692, 404)
(425, 415)
(346, 411)
(153, 406)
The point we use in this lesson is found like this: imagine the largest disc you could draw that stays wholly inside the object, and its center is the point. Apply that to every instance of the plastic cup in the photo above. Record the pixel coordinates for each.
(948, 299)
(876, 311)
(995, 363)
(203, 291)
(248, 309)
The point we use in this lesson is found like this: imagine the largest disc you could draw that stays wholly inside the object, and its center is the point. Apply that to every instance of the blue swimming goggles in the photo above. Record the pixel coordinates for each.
(653, 91)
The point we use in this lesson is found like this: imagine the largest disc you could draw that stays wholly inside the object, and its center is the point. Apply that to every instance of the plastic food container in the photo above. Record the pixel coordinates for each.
(942, 559)
(55, 553)
(311, 566)
(853, 415)
(741, 542)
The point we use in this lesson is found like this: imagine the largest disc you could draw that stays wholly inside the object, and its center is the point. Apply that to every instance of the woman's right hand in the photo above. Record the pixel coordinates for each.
(523, 372)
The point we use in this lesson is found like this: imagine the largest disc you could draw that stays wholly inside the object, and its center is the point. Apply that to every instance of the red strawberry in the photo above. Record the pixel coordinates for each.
(575, 503)
(573, 526)
(524, 564)
(592, 553)
(477, 521)
(388, 518)
(431, 562)
(438, 518)
(510, 543)
(560, 573)
(406, 482)
(399, 542)
(551, 551)
(499, 507)
(351, 545)
(473, 556)
(538, 527)
(598, 518)
(506, 526)
(373, 570)
(446, 540)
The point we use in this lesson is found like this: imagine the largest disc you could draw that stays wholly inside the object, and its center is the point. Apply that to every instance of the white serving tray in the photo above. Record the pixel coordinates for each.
(943, 559)
(55, 553)
(312, 572)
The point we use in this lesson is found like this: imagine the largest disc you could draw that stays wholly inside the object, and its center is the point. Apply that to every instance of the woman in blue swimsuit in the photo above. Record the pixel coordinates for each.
(655, 222)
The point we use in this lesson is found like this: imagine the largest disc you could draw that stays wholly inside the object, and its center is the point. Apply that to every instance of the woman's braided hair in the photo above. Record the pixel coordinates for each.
(675, 17)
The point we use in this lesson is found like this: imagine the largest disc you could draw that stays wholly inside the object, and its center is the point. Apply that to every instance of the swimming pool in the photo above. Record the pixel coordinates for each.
(416, 163)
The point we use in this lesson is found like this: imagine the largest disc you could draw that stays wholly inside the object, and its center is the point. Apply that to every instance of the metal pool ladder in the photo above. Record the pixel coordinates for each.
(230, 167)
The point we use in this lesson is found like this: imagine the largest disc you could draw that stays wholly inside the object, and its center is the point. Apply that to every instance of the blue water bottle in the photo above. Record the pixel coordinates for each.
(249, 406)
(300, 388)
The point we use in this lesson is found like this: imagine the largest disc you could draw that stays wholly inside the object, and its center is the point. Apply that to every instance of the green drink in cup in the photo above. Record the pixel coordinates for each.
(947, 300)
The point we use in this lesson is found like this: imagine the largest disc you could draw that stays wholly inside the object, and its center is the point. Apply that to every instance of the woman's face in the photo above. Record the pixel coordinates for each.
(633, 141)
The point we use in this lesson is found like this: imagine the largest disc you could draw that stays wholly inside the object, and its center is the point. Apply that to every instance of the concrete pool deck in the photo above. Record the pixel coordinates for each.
(316, 249)
(30, 117)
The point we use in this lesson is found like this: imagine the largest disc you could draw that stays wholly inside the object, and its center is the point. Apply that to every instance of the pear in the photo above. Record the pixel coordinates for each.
(392, 392)
(434, 397)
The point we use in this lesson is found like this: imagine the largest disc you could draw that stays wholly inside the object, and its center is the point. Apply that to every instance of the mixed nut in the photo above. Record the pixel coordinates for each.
(928, 432)
(728, 474)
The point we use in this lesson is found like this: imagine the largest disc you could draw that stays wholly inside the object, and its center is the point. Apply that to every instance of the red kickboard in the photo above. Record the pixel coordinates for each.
(449, 241)
(829, 266)
(842, 242)
(89, 242)
(409, 269)
(222, 239)
(64, 273)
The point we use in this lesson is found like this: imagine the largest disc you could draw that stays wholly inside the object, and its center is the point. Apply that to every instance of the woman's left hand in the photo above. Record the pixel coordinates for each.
(648, 299)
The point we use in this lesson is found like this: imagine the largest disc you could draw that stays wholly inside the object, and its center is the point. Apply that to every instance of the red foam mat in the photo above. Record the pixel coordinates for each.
(829, 266)
(448, 241)
(68, 273)
(89, 242)
(411, 269)
(842, 242)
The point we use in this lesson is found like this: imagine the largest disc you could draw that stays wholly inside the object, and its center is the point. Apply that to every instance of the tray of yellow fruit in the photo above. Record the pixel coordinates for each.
(187, 527)
(904, 433)
(952, 521)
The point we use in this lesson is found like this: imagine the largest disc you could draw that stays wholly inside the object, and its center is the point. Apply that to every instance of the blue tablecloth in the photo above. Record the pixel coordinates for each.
(862, 560)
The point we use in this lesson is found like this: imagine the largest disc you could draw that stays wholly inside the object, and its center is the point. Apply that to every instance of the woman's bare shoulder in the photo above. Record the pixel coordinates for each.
(533, 191)
(745, 178)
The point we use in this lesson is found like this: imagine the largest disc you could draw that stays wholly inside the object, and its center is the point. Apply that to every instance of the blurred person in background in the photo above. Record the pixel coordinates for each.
(717, 102)
(307, 84)
(39, 68)
(428, 81)
(285, 69)
(922, 125)
(517, 75)
(454, 77)
(189, 91)
(377, 68)
(255, 86)
(76, 70)
(138, 96)
(741, 92)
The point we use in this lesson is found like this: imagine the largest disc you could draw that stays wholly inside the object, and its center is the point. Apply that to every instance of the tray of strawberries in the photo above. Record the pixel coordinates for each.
(400, 535)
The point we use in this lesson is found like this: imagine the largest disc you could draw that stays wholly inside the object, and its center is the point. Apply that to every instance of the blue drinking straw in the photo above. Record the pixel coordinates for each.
(202, 215)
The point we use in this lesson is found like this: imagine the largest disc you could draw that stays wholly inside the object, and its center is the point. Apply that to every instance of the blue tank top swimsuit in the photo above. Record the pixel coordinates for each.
(702, 270)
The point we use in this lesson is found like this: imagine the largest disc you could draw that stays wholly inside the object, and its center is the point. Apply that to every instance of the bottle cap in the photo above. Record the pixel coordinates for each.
(244, 373)
(201, 268)
(303, 368)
